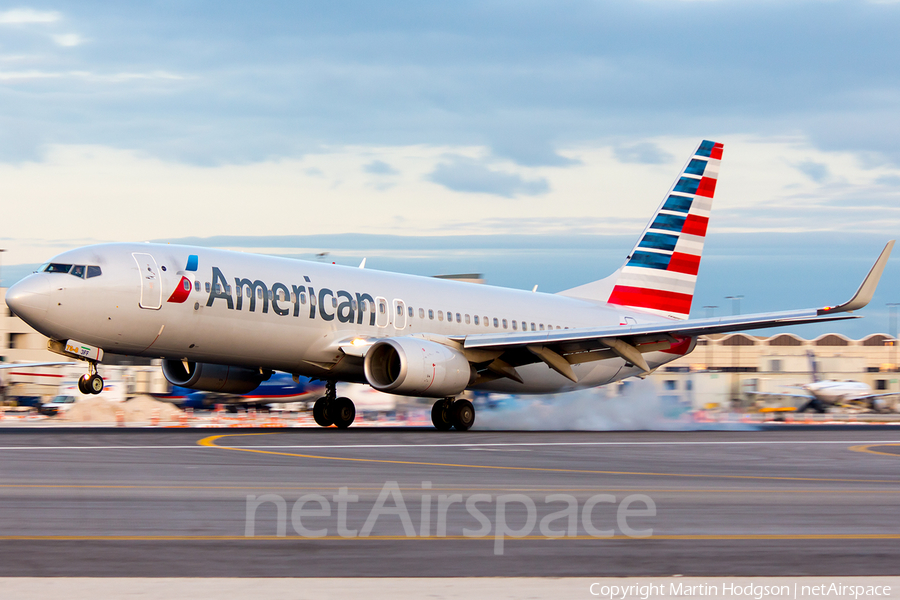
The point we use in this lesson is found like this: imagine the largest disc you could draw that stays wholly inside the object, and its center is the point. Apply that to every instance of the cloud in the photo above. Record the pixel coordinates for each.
(644, 153)
(89, 76)
(467, 175)
(68, 40)
(379, 167)
(818, 172)
(22, 16)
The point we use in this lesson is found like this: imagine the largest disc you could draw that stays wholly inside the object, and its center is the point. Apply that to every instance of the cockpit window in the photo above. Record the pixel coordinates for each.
(57, 268)
(93, 271)
(77, 271)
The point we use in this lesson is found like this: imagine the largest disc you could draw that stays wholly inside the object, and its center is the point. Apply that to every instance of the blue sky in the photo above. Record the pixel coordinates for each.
(514, 120)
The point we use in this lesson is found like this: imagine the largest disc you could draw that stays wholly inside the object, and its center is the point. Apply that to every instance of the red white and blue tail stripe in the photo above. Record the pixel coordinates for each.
(661, 271)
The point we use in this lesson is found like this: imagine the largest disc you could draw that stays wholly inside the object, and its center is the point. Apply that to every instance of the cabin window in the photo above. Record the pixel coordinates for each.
(533, 327)
(440, 315)
(487, 322)
(541, 326)
(207, 287)
(353, 305)
(496, 322)
(476, 319)
(302, 298)
(333, 302)
(458, 318)
(431, 314)
(421, 313)
(467, 319)
(504, 323)
(196, 283)
(514, 325)
(228, 289)
(312, 299)
(411, 312)
(382, 308)
(399, 310)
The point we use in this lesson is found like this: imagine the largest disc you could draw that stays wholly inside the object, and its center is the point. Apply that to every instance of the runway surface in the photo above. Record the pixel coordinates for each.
(224, 503)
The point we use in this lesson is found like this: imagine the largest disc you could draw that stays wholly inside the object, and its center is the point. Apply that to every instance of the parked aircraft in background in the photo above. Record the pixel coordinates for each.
(279, 388)
(822, 393)
(225, 321)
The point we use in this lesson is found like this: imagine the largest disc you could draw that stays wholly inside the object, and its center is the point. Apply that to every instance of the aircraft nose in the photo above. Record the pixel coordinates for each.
(30, 298)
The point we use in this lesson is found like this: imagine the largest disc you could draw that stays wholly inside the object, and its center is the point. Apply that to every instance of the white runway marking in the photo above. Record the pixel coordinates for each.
(472, 445)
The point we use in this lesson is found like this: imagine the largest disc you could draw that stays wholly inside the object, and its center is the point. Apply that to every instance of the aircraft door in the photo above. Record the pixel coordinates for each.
(151, 288)
(382, 317)
(399, 314)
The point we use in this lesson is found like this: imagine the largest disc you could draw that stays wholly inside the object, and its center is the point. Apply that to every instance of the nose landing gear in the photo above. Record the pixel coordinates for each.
(90, 382)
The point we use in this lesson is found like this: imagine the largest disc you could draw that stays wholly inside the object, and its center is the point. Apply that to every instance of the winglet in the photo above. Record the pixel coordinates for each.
(864, 294)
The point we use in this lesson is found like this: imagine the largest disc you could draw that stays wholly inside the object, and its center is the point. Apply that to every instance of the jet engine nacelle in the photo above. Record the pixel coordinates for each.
(211, 377)
(416, 367)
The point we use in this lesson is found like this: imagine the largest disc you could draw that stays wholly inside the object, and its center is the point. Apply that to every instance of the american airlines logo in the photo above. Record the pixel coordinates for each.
(287, 300)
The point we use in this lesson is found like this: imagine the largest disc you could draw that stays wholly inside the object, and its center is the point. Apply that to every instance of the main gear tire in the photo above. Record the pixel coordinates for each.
(462, 414)
(342, 411)
(321, 413)
(440, 415)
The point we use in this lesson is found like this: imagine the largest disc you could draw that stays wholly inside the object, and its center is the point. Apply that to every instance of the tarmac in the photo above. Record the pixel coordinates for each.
(414, 502)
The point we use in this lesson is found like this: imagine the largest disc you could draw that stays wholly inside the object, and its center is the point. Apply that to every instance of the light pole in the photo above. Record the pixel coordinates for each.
(735, 304)
(892, 306)
(710, 312)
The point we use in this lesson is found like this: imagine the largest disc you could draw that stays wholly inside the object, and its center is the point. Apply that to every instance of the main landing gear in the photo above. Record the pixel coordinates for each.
(330, 410)
(90, 382)
(447, 413)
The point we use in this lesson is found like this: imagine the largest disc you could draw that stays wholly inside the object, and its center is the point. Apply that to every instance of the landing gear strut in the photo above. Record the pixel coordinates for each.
(90, 382)
(447, 413)
(330, 410)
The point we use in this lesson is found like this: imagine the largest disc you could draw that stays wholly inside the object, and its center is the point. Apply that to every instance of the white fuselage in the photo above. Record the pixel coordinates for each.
(301, 312)
(838, 391)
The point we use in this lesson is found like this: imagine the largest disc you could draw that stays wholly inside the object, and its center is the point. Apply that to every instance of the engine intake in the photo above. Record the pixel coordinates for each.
(211, 377)
(416, 367)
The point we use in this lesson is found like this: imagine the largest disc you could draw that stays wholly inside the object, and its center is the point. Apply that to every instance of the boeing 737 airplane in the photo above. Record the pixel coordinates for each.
(224, 321)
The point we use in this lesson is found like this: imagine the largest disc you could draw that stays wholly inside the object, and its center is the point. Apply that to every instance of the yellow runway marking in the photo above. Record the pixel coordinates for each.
(211, 443)
(868, 449)
(382, 538)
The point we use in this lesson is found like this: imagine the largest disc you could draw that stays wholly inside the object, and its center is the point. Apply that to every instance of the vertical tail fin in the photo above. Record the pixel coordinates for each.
(660, 272)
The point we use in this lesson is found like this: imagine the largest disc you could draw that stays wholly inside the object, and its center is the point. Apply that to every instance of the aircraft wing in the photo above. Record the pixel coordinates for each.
(560, 348)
